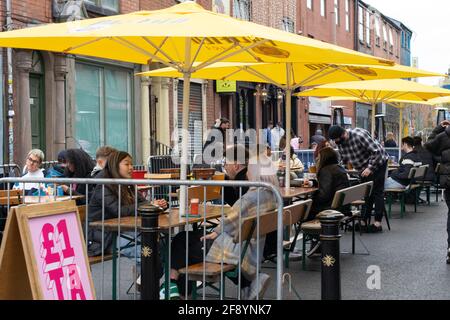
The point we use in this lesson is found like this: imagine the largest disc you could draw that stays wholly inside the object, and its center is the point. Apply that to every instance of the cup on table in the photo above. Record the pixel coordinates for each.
(306, 180)
(194, 206)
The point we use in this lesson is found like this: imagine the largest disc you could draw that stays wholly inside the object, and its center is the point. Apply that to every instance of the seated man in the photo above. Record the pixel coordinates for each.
(399, 179)
(236, 161)
(218, 246)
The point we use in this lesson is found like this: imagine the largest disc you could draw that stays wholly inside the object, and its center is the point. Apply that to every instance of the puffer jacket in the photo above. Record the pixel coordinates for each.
(331, 178)
(439, 145)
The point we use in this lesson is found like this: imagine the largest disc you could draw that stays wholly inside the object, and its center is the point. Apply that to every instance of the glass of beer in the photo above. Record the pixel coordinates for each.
(194, 206)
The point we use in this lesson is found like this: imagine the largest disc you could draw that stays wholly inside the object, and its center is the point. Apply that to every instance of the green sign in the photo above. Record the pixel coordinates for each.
(225, 86)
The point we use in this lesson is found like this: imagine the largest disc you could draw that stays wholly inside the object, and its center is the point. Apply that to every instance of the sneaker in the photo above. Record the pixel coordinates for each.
(316, 249)
(258, 288)
(374, 229)
(174, 294)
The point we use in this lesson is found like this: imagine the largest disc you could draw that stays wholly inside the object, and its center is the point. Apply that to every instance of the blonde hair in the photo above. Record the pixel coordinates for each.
(38, 154)
(390, 136)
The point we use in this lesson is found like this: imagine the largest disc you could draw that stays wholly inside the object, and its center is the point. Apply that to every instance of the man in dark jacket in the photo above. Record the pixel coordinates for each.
(399, 179)
(439, 145)
(216, 135)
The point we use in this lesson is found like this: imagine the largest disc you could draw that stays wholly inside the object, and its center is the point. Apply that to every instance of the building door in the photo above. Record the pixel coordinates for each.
(37, 107)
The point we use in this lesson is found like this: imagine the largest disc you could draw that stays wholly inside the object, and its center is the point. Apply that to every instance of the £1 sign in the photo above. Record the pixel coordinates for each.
(61, 262)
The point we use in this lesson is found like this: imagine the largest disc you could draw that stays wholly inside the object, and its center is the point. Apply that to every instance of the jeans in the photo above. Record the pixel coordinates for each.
(447, 200)
(392, 184)
(377, 196)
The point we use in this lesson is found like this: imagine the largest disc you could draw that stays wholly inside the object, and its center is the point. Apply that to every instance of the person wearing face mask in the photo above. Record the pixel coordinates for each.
(368, 156)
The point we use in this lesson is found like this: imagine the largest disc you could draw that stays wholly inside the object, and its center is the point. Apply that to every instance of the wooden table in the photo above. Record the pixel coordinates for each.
(49, 199)
(296, 192)
(166, 220)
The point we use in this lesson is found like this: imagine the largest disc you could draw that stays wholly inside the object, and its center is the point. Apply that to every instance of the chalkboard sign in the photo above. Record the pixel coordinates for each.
(43, 254)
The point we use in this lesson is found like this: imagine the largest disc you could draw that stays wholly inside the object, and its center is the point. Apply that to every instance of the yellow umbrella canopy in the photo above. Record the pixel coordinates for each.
(302, 74)
(376, 91)
(397, 93)
(177, 37)
(161, 35)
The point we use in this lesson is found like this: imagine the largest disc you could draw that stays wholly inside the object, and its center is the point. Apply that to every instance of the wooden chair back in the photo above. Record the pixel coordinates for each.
(348, 196)
(268, 222)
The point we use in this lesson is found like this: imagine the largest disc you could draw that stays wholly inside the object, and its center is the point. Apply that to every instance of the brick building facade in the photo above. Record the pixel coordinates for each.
(332, 22)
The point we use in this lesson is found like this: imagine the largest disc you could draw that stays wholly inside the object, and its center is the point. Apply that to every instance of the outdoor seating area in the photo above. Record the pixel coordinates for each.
(118, 189)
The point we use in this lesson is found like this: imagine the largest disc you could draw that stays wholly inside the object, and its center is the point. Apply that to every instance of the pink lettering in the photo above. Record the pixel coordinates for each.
(74, 283)
(55, 282)
(68, 252)
(51, 258)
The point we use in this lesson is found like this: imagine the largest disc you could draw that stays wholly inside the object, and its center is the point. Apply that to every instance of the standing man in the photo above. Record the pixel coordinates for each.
(277, 133)
(439, 144)
(318, 138)
(268, 134)
(366, 155)
(216, 135)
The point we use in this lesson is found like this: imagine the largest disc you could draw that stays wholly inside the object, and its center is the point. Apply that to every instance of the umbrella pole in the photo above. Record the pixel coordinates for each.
(185, 126)
(374, 111)
(288, 137)
(400, 133)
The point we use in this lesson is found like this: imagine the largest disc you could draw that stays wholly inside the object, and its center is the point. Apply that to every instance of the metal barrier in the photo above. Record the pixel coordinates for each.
(125, 230)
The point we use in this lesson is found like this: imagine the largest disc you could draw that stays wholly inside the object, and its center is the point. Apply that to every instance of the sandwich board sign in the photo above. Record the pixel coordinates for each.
(43, 254)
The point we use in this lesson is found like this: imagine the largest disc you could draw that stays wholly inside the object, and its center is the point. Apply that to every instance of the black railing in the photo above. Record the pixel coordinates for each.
(159, 149)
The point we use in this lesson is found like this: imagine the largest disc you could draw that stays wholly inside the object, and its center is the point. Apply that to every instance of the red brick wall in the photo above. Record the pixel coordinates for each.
(311, 24)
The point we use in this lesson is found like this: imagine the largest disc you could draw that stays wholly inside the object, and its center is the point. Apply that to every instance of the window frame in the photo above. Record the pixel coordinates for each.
(337, 12)
(131, 125)
(323, 8)
(99, 4)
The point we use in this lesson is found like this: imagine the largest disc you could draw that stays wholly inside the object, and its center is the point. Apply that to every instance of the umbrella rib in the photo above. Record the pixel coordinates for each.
(197, 52)
(316, 76)
(263, 76)
(84, 44)
(159, 48)
(131, 46)
(220, 56)
(240, 69)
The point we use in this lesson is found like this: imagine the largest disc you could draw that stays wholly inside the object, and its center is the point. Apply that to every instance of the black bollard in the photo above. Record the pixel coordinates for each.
(331, 271)
(149, 251)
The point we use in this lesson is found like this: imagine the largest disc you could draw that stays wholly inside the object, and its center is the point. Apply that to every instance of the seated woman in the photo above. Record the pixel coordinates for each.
(32, 170)
(297, 167)
(217, 242)
(331, 177)
(78, 165)
(118, 166)
(324, 144)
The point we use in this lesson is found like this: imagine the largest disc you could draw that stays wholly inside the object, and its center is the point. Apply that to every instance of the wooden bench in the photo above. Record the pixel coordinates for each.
(415, 174)
(268, 222)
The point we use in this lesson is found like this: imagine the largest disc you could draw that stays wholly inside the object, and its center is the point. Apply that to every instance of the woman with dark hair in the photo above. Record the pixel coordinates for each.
(322, 145)
(331, 177)
(118, 166)
(79, 164)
